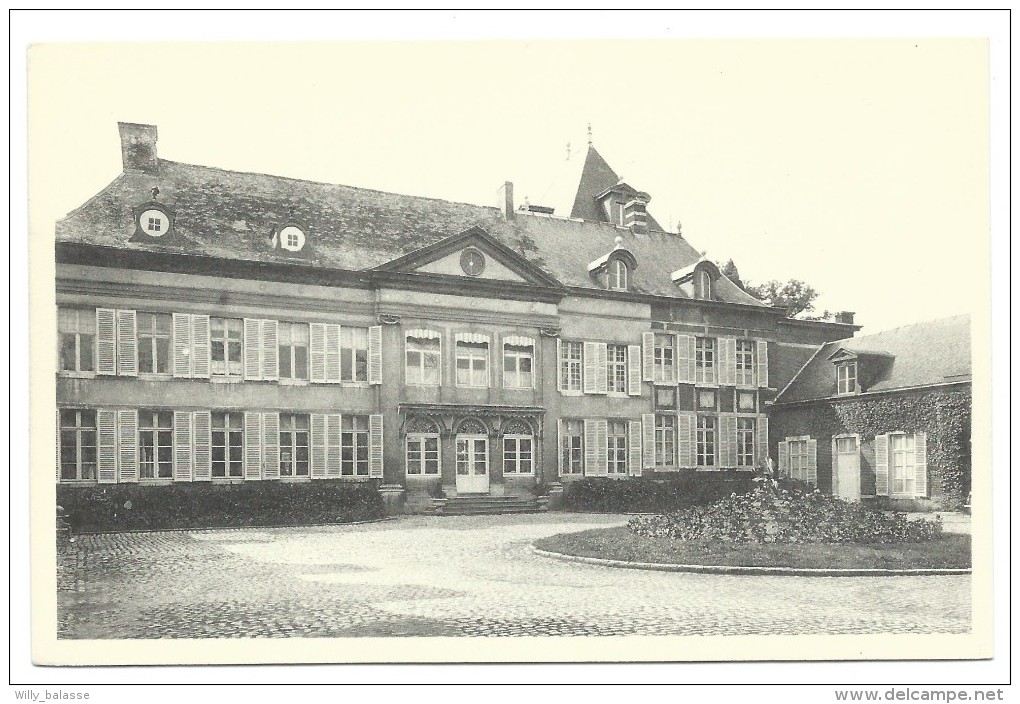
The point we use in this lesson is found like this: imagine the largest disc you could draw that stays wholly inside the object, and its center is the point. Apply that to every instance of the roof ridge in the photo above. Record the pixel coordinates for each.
(919, 323)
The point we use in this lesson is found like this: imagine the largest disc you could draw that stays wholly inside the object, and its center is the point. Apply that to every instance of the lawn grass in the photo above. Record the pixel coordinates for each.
(948, 552)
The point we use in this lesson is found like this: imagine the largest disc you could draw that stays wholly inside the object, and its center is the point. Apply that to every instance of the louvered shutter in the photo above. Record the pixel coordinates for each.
(252, 446)
(106, 421)
(634, 370)
(590, 448)
(375, 359)
(602, 438)
(375, 446)
(200, 348)
(685, 359)
(559, 364)
(317, 353)
(685, 443)
(559, 444)
(784, 458)
(648, 439)
(812, 462)
(591, 368)
(727, 441)
(182, 446)
(882, 465)
(648, 355)
(921, 464)
(601, 367)
(106, 341)
(252, 349)
(127, 343)
(271, 445)
(761, 450)
(318, 450)
(763, 362)
(58, 445)
(202, 441)
(333, 354)
(127, 455)
(728, 361)
(182, 346)
(270, 350)
(634, 455)
(334, 434)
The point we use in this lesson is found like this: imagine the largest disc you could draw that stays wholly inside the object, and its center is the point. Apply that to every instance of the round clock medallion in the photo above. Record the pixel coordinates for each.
(472, 262)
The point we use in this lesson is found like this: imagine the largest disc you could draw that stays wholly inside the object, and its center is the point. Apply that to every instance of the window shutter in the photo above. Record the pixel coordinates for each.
(882, 465)
(332, 353)
(602, 367)
(334, 434)
(591, 369)
(318, 441)
(648, 355)
(559, 441)
(559, 363)
(58, 445)
(761, 450)
(727, 441)
(106, 421)
(812, 462)
(728, 361)
(763, 363)
(634, 457)
(106, 341)
(182, 446)
(634, 370)
(375, 446)
(252, 349)
(252, 446)
(182, 345)
(202, 458)
(685, 441)
(271, 445)
(921, 464)
(685, 359)
(648, 439)
(317, 354)
(784, 458)
(590, 448)
(375, 359)
(270, 350)
(200, 351)
(127, 343)
(127, 420)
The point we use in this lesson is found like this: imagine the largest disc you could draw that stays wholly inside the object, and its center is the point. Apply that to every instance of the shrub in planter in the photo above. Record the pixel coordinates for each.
(648, 495)
(784, 516)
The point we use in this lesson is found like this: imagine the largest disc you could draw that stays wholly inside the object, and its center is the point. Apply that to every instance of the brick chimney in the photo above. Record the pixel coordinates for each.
(506, 200)
(138, 147)
(846, 317)
(635, 216)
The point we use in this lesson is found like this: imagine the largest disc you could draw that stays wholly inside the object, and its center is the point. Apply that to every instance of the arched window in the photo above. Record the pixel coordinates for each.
(703, 285)
(619, 275)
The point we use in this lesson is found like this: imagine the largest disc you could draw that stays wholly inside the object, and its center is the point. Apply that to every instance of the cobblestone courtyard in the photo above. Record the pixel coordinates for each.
(457, 576)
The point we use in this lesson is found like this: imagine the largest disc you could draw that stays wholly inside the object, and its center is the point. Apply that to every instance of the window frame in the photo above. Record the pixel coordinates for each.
(568, 451)
(800, 444)
(153, 433)
(744, 445)
(659, 365)
(353, 359)
(909, 454)
(228, 432)
(518, 354)
(568, 365)
(152, 336)
(358, 447)
(288, 350)
(745, 376)
(517, 439)
(422, 354)
(617, 448)
(705, 357)
(227, 344)
(472, 352)
(294, 446)
(702, 285)
(79, 429)
(422, 462)
(706, 441)
(78, 346)
(846, 377)
(617, 275)
(616, 369)
(666, 438)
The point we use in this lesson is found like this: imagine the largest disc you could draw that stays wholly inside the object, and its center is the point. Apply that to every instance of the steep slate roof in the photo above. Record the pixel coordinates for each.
(923, 354)
(231, 214)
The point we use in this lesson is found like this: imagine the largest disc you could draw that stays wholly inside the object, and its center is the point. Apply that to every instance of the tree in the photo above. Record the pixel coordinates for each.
(729, 270)
(794, 296)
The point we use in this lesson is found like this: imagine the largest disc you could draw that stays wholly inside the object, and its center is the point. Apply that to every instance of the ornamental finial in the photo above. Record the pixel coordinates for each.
(154, 191)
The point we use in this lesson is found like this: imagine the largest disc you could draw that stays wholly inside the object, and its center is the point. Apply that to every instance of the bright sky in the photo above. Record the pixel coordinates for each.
(859, 166)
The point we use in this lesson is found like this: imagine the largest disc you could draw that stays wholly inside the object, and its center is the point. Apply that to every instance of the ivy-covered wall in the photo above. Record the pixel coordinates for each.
(942, 414)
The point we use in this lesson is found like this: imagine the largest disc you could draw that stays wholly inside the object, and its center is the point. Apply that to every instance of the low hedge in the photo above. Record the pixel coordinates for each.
(118, 507)
(648, 495)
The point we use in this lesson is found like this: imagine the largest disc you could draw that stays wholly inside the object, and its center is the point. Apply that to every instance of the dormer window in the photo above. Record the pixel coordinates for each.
(292, 238)
(153, 221)
(619, 275)
(614, 270)
(703, 285)
(846, 377)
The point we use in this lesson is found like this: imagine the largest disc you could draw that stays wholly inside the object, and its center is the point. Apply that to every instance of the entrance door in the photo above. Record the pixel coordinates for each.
(472, 464)
(846, 475)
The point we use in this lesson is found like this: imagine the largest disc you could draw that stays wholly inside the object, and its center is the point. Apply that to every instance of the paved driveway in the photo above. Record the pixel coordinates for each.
(450, 576)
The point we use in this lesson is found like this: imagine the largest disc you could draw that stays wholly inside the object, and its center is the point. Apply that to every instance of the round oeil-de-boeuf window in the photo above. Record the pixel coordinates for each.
(154, 222)
(472, 262)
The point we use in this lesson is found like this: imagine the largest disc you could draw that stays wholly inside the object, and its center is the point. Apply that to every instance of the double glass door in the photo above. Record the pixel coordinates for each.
(472, 464)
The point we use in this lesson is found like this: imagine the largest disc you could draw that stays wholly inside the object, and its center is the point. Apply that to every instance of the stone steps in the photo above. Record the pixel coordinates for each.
(484, 504)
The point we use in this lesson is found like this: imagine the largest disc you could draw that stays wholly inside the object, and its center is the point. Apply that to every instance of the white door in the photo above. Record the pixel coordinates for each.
(472, 464)
(846, 475)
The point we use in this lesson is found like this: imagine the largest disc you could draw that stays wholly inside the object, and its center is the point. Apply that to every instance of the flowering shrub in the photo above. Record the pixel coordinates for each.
(786, 515)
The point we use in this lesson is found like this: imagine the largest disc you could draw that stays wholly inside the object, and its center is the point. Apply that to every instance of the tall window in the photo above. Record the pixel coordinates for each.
(227, 444)
(518, 456)
(423, 454)
(745, 362)
(155, 444)
(154, 343)
(571, 355)
(422, 358)
(846, 378)
(745, 442)
(706, 441)
(225, 338)
(902, 461)
(616, 369)
(518, 362)
(293, 445)
(293, 342)
(704, 359)
(77, 444)
(353, 354)
(77, 331)
(665, 440)
(619, 275)
(354, 446)
(572, 447)
(472, 364)
(703, 285)
(617, 448)
(665, 358)
(798, 450)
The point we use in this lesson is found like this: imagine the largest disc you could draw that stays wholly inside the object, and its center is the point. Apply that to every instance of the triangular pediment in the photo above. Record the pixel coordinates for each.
(474, 255)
